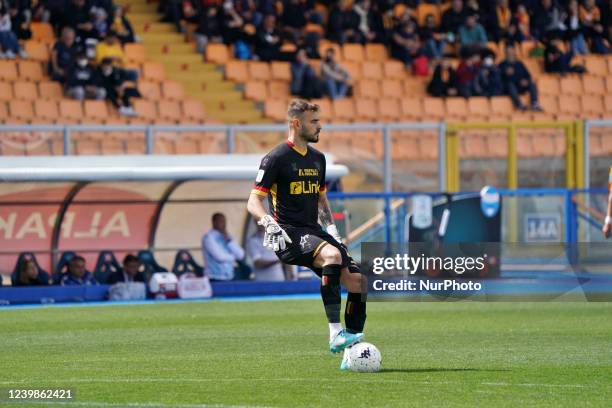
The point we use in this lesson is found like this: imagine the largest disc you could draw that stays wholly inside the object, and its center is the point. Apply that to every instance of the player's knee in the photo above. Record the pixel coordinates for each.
(331, 255)
(354, 283)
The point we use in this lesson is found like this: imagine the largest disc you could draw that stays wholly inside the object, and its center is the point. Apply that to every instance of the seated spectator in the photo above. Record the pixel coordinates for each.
(370, 22)
(466, 73)
(294, 19)
(266, 265)
(559, 62)
(517, 80)
(590, 18)
(574, 33)
(488, 80)
(77, 274)
(63, 55)
(268, 41)
(21, 17)
(471, 34)
(522, 19)
(209, 28)
(343, 23)
(434, 41)
(452, 19)
(78, 16)
(231, 23)
(83, 81)
(606, 21)
(304, 80)
(99, 20)
(547, 21)
(221, 251)
(335, 77)
(444, 80)
(30, 275)
(502, 19)
(122, 27)
(113, 79)
(405, 43)
(130, 272)
(9, 43)
(111, 48)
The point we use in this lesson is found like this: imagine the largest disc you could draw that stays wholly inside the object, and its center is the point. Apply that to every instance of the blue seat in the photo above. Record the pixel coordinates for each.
(150, 265)
(105, 266)
(26, 256)
(184, 263)
(62, 266)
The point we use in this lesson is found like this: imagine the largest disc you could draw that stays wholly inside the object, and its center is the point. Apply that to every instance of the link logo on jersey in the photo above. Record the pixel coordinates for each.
(304, 187)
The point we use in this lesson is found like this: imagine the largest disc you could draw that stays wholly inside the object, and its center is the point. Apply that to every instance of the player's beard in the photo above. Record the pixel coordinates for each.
(311, 137)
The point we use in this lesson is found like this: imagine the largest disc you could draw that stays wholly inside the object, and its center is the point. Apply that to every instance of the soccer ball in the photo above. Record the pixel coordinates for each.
(364, 358)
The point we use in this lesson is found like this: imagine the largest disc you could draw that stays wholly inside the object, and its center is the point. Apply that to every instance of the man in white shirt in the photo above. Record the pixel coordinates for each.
(221, 251)
(266, 265)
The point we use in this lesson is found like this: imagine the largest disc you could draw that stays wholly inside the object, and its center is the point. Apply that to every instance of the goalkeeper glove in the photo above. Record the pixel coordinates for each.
(333, 231)
(275, 238)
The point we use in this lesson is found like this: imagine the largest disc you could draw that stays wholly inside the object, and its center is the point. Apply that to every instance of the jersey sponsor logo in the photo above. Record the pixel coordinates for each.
(260, 175)
(308, 172)
(304, 187)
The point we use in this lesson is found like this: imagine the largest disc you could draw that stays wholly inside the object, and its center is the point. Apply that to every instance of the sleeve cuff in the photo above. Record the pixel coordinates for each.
(259, 192)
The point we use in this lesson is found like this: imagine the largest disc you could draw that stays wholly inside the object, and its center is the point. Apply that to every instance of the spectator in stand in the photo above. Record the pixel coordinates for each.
(221, 251)
(209, 28)
(433, 40)
(590, 17)
(522, 22)
(21, 17)
(268, 40)
(129, 273)
(9, 43)
(452, 19)
(606, 20)
(488, 80)
(502, 19)
(122, 27)
(63, 55)
(99, 20)
(114, 80)
(231, 26)
(83, 81)
(266, 265)
(77, 274)
(78, 17)
(336, 78)
(30, 275)
(111, 48)
(559, 62)
(466, 73)
(517, 80)
(343, 23)
(405, 43)
(370, 22)
(294, 19)
(472, 35)
(444, 80)
(304, 80)
(547, 22)
(574, 33)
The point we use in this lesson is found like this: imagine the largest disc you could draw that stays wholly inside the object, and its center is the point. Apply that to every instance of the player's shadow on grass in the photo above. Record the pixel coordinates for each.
(433, 370)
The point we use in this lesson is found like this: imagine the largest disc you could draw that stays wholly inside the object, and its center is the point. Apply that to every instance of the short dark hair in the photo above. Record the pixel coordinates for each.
(298, 106)
(77, 258)
(216, 216)
(107, 60)
(129, 258)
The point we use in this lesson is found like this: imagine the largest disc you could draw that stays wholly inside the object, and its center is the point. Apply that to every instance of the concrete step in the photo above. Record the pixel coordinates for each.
(135, 6)
(175, 48)
(154, 27)
(140, 18)
(193, 75)
(161, 38)
(172, 58)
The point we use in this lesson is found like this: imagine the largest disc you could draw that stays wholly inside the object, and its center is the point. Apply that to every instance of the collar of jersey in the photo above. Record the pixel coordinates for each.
(294, 147)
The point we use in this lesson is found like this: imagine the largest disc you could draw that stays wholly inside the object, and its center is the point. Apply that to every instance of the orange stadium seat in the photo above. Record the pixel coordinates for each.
(608, 103)
(549, 85)
(392, 88)
(412, 109)
(6, 91)
(324, 45)
(278, 90)
(276, 110)
(456, 108)
(147, 111)
(592, 105)
(428, 146)
(153, 71)
(169, 111)
(414, 87)
(376, 52)
(353, 52)
(609, 84)
(550, 104)
(31, 70)
(256, 90)
(571, 85)
(543, 145)
(42, 32)
(389, 109)
(497, 146)
(479, 107)
(593, 85)
(71, 110)
(194, 110)
(501, 108)
(8, 70)
(433, 109)
(173, 90)
(25, 90)
(50, 90)
(353, 69)
(472, 146)
(4, 115)
(21, 110)
(37, 51)
(394, 70)
(344, 110)
(596, 65)
(96, 111)
(372, 70)
(367, 88)
(366, 109)
(135, 52)
(280, 70)
(259, 70)
(237, 71)
(149, 90)
(47, 110)
(424, 9)
(569, 107)
(217, 53)
(326, 112)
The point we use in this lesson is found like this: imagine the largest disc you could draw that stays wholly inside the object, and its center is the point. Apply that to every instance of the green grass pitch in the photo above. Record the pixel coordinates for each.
(274, 354)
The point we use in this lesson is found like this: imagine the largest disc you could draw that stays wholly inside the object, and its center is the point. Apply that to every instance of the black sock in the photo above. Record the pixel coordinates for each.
(355, 312)
(330, 292)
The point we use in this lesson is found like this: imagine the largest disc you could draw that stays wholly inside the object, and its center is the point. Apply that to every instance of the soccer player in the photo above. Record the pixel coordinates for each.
(607, 227)
(292, 175)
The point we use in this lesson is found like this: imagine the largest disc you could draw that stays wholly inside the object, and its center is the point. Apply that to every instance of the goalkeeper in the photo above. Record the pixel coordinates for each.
(292, 175)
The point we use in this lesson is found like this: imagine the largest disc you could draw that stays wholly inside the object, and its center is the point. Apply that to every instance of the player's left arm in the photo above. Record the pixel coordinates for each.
(326, 217)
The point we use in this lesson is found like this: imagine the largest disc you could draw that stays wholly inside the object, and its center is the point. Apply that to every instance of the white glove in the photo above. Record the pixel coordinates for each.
(275, 237)
(333, 231)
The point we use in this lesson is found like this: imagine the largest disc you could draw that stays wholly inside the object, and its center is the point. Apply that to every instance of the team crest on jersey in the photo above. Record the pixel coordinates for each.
(304, 243)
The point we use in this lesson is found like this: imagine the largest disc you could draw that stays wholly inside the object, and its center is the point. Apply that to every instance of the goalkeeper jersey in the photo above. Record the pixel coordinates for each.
(294, 179)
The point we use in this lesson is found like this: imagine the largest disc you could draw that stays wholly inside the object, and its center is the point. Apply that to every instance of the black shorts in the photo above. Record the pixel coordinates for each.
(306, 243)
